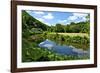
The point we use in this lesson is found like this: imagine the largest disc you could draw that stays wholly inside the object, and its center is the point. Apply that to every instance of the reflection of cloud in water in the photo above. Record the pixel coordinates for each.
(64, 50)
(47, 44)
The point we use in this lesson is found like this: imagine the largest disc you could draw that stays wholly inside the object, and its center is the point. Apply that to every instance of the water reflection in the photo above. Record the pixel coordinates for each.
(63, 50)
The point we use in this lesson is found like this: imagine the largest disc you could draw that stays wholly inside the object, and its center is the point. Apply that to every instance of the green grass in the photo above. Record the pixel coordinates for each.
(71, 34)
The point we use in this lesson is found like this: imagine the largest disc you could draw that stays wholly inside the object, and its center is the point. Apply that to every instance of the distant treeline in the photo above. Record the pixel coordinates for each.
(81, 27)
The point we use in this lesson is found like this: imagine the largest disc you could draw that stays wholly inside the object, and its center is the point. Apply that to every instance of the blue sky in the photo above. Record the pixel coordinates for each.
(53, 17)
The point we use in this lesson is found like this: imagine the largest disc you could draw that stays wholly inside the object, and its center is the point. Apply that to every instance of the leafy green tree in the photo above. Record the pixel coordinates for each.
(59, 28)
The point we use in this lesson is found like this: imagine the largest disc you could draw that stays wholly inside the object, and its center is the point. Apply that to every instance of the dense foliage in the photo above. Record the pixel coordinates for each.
(28, 22)
(42, 54)
(81, 27)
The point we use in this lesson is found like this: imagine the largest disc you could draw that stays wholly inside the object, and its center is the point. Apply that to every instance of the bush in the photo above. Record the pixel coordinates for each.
(43, 54)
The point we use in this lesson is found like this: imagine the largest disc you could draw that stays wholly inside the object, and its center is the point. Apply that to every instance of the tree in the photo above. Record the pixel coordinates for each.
(59, 28)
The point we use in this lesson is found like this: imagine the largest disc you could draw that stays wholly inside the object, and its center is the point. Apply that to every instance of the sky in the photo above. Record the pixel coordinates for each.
(51, 18)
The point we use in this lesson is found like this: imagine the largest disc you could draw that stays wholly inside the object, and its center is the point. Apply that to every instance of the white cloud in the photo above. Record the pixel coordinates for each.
(80, 14)
(77, 16)
(48, 16)
(84, 19)
(72, 18)
(38, 12)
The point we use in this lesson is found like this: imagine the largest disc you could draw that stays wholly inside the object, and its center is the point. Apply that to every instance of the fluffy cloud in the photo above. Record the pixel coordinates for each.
(72, 18)
(48, 16)
(77, 16)
(80, 14)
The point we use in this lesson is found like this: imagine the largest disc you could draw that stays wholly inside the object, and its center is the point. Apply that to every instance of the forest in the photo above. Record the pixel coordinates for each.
(35, 31)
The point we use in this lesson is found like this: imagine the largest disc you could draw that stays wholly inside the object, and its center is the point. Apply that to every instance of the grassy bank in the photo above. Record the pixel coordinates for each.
(71, 34)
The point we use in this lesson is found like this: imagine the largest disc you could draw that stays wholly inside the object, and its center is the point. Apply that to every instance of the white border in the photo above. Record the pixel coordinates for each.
(52, 63)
